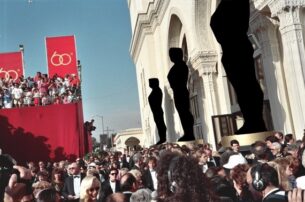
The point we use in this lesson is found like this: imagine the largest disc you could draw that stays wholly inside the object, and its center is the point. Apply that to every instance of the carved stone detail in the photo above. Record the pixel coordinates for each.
(283, 6)
(205, 62)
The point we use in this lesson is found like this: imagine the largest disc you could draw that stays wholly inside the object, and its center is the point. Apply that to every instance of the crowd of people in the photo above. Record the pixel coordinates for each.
(272, 171)
(39, 90)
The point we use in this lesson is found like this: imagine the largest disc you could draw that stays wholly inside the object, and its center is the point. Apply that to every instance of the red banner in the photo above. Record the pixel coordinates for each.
(11, 65)
(61, 55)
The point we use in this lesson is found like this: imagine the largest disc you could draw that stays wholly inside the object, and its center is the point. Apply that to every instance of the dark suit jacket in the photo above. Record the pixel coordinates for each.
(147, 180)
(69, 187)
(216, 159)
(106, 190)
(209, 164)
(128, 195)
(123, 164)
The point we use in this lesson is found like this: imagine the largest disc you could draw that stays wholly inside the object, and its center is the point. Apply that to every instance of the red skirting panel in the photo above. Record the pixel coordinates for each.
(52, 132)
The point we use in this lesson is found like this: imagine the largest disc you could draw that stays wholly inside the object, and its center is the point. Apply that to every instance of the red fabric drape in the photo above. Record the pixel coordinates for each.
(52, 132)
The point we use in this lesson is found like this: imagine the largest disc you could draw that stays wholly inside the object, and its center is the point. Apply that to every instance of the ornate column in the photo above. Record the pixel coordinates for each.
(266, 31)
(289, 13)
(204, 64)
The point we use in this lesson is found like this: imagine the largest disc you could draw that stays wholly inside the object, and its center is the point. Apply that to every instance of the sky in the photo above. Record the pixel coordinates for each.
(103, 33)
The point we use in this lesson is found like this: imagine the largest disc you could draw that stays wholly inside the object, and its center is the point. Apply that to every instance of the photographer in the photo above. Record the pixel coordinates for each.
(15, 182)
(89, 127)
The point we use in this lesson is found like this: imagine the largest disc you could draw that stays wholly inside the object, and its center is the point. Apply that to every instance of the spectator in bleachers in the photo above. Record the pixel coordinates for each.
(28, 97)
(40, 90)
(7, 99)
(36, 96)
(17, 94)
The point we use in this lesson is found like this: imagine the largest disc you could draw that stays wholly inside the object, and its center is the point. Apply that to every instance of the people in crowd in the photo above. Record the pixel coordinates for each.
(168, 172)
(48, 195)
(239, 177)
(141, 195)
(128, 185)
(265, 180)
(89, 189)
(175, 186)
(71, 190)
(57, 179)
(276, 150)
(150, 175)
(39, 90)
(110, 186)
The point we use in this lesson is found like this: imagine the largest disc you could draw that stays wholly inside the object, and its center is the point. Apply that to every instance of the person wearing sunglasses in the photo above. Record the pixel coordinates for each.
(89, 189)
(112, 185)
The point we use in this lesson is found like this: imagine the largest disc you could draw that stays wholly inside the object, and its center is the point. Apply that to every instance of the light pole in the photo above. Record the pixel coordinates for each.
(101, 117)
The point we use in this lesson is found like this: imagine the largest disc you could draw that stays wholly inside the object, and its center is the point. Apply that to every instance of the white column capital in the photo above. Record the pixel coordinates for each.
(204, 62)
(278, 7)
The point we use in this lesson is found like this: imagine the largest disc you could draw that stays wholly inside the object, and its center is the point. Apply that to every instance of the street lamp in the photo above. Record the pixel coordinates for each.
(79, 69)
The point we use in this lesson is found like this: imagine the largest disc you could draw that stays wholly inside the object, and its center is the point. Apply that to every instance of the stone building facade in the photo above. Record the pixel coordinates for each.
(277, 34)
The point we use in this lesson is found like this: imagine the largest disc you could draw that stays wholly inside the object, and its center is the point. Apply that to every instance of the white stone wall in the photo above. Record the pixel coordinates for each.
(277, 24)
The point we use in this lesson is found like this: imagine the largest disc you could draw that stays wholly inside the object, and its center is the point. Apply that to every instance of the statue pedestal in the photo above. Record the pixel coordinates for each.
(245, 139)
(194, 142)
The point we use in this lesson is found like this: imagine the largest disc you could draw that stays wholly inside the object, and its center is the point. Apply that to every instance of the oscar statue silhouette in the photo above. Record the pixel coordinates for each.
(177, 77)
(230, 23)
(155, 103)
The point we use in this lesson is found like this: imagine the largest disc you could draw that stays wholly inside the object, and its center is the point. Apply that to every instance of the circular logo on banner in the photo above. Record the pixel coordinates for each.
(9, 73)
(60, 59)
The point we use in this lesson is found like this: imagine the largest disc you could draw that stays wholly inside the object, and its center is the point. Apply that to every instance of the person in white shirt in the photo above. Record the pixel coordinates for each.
(17, 94)
(150, 175)
(71, 190)
(110, 186)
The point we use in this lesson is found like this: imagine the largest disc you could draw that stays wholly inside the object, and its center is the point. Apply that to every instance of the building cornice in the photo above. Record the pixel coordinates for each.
(146, 23)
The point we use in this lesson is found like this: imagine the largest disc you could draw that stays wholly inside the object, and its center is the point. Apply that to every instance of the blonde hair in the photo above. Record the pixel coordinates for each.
(86, 184)
(136, 173)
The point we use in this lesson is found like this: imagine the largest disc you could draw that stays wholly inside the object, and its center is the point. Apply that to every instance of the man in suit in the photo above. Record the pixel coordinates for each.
(150, 175)
(110, 186)
(71, 190)
(122, 161)
(203, 162)
(128, 185)
(138, 160)
(215, 160)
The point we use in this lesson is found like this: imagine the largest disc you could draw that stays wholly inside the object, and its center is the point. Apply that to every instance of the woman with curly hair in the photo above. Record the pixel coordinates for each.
(239, 176)
(179, 180)
(58, 176)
